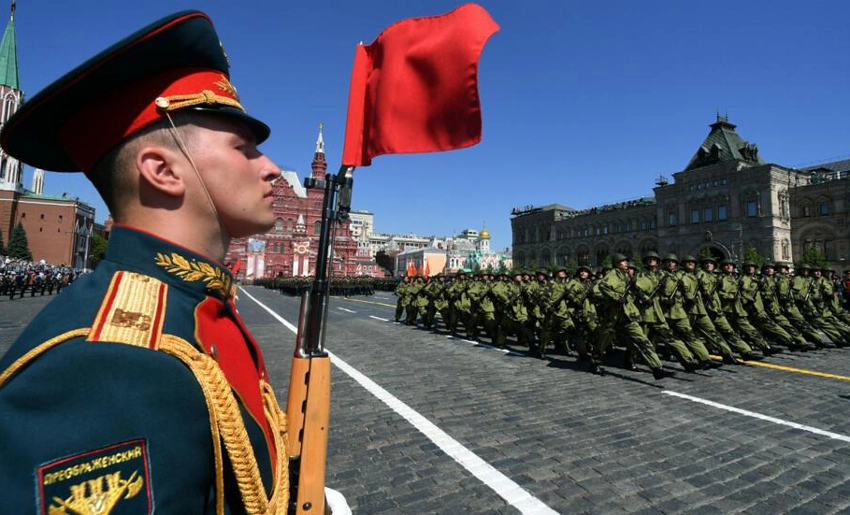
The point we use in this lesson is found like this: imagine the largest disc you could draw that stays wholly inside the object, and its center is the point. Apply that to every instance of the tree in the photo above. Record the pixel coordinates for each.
(814, 257)
(18, 245)
(98, 249)
(606, 261)
(386, 260)
(752, 256)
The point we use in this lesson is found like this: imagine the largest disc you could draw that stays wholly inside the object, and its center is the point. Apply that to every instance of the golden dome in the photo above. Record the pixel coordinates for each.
(484, 234)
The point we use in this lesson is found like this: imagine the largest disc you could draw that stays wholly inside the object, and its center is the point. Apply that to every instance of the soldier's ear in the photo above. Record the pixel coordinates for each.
(159, 169)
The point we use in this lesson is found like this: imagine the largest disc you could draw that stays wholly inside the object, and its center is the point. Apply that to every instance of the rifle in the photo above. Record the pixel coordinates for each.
(309, 400)
(661, 283)
(675, 289)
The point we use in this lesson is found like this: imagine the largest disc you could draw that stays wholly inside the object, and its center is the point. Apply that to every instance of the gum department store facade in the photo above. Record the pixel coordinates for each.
(726, 200)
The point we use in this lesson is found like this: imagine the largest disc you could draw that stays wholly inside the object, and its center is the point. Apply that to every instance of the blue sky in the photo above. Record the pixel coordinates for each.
(584, 103)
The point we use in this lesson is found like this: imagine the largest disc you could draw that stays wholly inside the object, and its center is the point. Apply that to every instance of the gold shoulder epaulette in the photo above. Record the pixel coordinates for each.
(132, 312)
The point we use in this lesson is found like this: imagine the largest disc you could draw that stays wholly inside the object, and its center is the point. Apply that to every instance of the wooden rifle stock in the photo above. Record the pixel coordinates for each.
(308, 412)
(308, 404)
(308, 417)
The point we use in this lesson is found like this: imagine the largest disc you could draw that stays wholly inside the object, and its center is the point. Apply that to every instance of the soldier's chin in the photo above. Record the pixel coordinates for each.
(247, 229)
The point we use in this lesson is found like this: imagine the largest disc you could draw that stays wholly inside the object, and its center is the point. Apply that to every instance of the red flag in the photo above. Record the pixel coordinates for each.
(427, 270)
(415, 88)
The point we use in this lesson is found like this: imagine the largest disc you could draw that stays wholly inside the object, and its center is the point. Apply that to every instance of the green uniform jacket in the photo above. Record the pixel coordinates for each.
(672, 296)
(709, 283)
(615, 286)
(729, 296)
(648, 292)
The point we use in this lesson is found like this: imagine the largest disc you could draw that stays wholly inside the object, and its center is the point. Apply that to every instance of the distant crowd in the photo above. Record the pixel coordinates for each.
(19, 276)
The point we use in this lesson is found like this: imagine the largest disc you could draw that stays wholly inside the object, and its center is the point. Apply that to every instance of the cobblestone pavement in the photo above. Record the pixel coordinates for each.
(572, 441)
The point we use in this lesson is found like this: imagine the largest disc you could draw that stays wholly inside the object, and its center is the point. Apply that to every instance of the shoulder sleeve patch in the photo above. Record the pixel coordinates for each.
(113, 479)
(132, 311)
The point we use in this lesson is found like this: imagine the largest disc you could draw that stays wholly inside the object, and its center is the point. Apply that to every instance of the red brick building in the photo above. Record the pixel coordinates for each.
(58, 229)
(289, 248)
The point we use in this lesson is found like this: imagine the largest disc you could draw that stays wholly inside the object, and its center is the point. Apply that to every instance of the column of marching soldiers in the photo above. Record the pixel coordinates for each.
(20, 277)
(666, 309)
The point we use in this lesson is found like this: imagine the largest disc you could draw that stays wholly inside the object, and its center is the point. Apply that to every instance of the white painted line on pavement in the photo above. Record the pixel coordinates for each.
(810, 429)
(345, 309)
(379, 318)
(479, 344)
(272, 313)
(507, 489)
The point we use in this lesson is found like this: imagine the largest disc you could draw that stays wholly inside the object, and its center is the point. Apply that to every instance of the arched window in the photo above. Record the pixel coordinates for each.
(278, 225)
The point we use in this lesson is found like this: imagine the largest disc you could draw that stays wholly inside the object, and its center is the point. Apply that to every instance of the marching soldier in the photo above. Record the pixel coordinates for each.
(557, 321)
(698, 314)
(770, 299)
(708, 284)
(411, 311)
(402, 292)
(620, 314)
(584, 311)
(788, 306)
(729, 292)
(649, 285)
(753, 303)
(672, 303)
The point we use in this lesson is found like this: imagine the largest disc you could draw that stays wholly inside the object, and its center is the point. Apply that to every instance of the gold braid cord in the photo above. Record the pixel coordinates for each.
(232, 429)
(38, 351)
(205, 97)
(277, 420)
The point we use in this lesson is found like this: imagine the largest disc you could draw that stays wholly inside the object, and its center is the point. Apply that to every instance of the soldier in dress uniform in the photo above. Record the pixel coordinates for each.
(140, 389)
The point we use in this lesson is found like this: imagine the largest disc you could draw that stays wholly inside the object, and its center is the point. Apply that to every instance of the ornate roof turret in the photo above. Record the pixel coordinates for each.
(319, 165)
(484, 234)
(724, 144)
(9, 55)
(320, 143)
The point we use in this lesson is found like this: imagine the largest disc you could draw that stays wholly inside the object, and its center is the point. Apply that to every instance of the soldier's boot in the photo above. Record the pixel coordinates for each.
(729, 359)
(660, 373)
(629, 361)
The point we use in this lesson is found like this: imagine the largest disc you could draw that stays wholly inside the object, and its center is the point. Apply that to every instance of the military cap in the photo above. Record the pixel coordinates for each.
(174, 64)
(583, 267)
(708, 259)
(768, 264)
(782, 264)
(805, 266)
(616, 258)
(749, 263)
(651, 254)
(671, 257)
(727, 261)
(688, 257)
